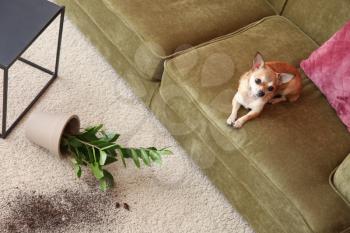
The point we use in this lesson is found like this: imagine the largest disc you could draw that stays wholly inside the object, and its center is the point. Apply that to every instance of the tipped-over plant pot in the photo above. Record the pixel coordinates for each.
(46, 129)
(92, 147)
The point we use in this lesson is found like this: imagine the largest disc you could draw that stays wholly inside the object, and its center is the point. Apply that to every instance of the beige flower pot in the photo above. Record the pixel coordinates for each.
(46, 129)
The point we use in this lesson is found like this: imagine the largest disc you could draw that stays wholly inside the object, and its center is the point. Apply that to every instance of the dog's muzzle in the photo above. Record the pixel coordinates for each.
(260, 94)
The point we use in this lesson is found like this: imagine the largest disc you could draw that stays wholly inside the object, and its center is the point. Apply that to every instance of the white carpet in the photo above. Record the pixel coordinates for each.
(40, 193)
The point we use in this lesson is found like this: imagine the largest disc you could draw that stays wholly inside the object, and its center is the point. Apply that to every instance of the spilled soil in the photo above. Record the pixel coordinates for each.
(31, 212)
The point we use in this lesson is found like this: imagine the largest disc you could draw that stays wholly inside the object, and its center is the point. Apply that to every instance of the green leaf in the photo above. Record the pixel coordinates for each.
(87, 136)
(145, 158)
(77, 155)
(84, 154)
(112, 137)
(107, 181)
(155, 157)
(135, 158)
(90, 128)
(94, 129)
(110, 147)
(77, 169)
(103, 157)
(94, 154)
(90, 154)
(165, 152)
(126, 152)
(96, 170)
(122, 156)
(110, 159)
(103, 184)
(100, 141)
(74, 142)
(74, 161)
(97, 128)
(90, 133)
(109, 178)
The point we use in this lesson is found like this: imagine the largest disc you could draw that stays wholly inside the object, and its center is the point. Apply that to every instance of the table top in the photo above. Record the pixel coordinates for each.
(21, 22)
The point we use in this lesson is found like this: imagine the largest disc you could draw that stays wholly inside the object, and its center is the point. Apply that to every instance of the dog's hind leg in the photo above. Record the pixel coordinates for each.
(293, 98)
(277, 100)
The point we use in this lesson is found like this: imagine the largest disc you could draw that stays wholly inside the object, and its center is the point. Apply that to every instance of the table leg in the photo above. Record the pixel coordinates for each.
(4, 103)
(59, 42)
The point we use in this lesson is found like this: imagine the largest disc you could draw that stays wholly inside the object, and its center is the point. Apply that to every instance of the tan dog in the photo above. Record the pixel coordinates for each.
(270, 82)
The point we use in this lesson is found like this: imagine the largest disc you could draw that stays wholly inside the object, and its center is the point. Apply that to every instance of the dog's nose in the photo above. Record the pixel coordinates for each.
(261, 93)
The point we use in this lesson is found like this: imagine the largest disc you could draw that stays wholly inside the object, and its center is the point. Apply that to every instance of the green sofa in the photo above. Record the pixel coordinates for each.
(183, 58)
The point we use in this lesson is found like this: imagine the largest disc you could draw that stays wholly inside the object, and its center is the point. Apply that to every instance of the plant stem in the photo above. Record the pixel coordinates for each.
(84, 142)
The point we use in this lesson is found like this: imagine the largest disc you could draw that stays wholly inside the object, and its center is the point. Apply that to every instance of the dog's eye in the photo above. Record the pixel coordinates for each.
(270, 88)
(257, 81)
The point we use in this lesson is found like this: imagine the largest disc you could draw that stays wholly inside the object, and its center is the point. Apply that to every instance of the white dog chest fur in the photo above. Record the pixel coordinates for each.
(248, 101)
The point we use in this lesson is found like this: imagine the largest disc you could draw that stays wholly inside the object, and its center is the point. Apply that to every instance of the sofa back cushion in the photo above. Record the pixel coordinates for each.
(320, 19)
(341, 179)
(172, 25)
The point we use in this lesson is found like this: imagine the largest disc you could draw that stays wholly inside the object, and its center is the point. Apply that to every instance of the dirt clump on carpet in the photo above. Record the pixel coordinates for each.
(31, 212)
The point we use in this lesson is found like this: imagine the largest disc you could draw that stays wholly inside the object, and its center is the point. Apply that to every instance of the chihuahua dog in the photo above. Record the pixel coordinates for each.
(266, 82)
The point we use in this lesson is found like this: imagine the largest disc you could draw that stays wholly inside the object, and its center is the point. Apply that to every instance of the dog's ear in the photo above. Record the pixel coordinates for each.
(285, 77)
(258, 61)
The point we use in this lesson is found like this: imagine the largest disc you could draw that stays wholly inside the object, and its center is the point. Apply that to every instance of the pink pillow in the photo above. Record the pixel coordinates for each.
(329, 68)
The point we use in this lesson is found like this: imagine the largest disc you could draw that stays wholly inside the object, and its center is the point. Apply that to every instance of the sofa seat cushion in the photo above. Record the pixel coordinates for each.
(290, 150)
(243, 200)
(341, 179)
(148, 31)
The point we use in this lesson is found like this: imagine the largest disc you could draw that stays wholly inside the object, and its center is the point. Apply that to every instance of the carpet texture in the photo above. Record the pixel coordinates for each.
(40, 192)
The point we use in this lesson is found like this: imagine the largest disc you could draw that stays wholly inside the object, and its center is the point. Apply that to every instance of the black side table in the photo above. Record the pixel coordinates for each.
(21, 23)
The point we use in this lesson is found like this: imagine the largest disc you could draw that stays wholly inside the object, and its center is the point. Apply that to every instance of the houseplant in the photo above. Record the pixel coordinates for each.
(92, 147)
(95, 149)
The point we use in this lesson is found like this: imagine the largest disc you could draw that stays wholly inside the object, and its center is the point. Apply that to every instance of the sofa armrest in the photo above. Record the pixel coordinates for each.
(340, 179)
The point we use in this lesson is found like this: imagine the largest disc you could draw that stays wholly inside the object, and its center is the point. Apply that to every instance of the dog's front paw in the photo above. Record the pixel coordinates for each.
(238, 124)
(230, 121)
